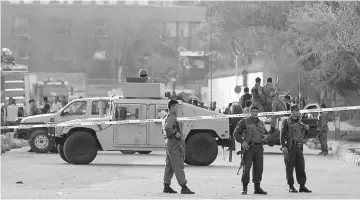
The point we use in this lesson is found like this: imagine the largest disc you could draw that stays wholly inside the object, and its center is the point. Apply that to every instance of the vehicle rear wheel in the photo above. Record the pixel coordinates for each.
(144, 152)
(201, 149)
(40, 141)
(80, 148)
(61, 153)
(128, 152)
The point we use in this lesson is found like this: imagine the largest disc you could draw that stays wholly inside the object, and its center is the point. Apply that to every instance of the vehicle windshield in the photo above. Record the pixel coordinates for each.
(109, 109)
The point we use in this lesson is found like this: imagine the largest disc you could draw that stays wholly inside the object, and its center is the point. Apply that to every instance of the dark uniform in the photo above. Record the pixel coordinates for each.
(252, 130)
(323, 129)
(234, 109)
(175, 155)
(258, 98)
(292, 138)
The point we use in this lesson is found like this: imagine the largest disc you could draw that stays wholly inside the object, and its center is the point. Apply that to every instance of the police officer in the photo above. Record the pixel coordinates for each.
(234, 109)
(143, 73)
(292, 137)
(251, 132)
(175, 151)
(323, 129)
(268, 88)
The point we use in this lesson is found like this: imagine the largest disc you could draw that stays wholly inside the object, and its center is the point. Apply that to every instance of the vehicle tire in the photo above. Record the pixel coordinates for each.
(60, 149)
(40, 141)
(80, 148)
(201, 149)
(144, 152)
(128, 152)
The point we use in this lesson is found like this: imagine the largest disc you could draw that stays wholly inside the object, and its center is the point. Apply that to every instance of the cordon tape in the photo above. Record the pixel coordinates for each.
(109, 122)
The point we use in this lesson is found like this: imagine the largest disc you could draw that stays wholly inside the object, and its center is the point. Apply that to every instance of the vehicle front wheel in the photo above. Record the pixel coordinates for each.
(144, 152)
(39, 141)
(61, 152)
(80, 148)
(201, 149)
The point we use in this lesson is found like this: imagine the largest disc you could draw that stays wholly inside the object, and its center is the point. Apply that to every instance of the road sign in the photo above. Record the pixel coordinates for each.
(237, 89)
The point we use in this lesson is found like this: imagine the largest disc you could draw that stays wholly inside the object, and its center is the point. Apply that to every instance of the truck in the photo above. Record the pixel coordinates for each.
(40, 139)
(80, 144)
(15, 84)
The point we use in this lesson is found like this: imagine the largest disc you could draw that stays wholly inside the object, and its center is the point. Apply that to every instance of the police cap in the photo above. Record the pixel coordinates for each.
(294, 107)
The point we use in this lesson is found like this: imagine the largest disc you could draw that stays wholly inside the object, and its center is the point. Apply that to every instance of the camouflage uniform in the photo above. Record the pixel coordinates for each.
(258, 98)
(252, 130)
(268, 89)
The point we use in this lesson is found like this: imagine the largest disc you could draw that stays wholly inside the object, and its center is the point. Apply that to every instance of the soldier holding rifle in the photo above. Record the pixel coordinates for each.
(292, 141)
(251, 133)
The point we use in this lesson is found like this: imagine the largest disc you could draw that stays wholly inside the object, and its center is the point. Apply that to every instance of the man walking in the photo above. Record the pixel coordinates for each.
(323, 129)
(251, 133)
(292, 137)
(175, 151)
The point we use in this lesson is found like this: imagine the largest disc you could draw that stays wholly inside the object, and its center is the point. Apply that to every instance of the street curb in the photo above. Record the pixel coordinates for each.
(346, 154)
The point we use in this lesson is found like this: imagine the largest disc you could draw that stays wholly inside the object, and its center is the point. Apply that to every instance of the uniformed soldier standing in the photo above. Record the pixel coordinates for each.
(292, 141)
(258, 98)
(251, 132)
(175, 151)
(323, 129)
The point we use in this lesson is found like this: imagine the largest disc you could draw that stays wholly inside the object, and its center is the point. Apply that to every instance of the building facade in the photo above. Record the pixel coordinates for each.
(75, 36)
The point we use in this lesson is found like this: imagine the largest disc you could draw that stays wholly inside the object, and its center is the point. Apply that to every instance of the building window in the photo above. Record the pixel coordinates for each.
(100, 55)
(184, 29)
(100, 28)
(21, 26)
(62, 27)
(170, 29)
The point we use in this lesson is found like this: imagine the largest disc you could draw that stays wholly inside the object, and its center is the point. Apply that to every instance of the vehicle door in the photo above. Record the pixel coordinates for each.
(155, 134)
(311, 119)
(130, 134)
(72, 111)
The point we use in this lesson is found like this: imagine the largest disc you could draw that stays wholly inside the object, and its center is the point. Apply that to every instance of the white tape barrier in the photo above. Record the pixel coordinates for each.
(87, 123)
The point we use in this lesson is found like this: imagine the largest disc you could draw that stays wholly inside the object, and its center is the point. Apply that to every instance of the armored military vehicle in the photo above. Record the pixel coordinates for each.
(80, 144)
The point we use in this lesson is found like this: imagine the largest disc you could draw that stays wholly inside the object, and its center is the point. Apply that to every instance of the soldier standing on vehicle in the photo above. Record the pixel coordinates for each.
(143, 73)
(268, 88)
(323, 129)
(245, 97)
(251, 133)
(277, 105)
(258, 95)
(175, 151)
(292, 137)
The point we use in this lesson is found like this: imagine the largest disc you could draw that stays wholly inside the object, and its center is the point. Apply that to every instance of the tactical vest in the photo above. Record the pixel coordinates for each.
(255, 94)
(296, 131)
(255, 132)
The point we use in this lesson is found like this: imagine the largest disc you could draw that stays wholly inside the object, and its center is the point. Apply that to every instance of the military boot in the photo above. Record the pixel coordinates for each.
(168, 189)
(245, 189)
(186, 190)
(258, 189)
(292, 189)
(304, 189)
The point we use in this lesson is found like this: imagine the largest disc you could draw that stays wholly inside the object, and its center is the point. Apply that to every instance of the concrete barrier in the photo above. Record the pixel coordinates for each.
(347, 152)
(4, 145)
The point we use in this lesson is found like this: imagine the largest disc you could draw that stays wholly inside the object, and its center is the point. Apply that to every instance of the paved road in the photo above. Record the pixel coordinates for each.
(114, 175)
